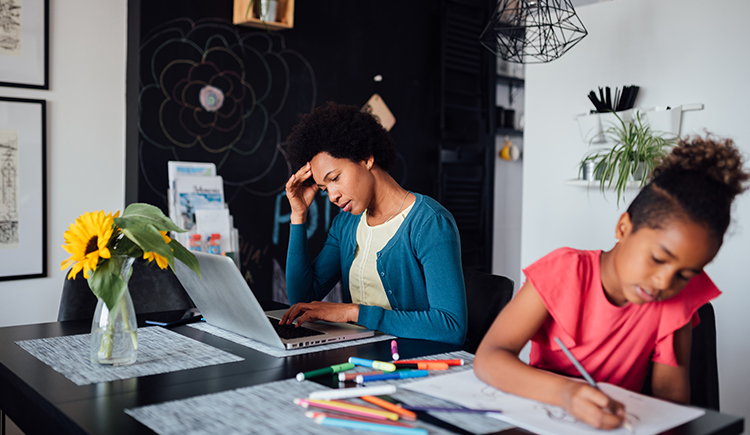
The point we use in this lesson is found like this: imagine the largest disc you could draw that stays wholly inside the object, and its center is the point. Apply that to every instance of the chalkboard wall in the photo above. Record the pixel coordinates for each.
(333, 53)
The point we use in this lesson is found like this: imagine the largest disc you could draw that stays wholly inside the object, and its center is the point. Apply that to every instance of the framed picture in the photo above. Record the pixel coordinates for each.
(24, 42)
(23, 189)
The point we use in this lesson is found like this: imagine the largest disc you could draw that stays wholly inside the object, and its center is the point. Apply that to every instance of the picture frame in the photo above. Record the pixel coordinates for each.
(23, 188)
(24, 44)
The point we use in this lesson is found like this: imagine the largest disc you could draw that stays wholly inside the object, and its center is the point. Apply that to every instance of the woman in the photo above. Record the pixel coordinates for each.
(396, 252)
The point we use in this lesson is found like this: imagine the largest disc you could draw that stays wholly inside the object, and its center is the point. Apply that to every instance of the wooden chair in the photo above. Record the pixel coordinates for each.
(486, 295)
(152, 290)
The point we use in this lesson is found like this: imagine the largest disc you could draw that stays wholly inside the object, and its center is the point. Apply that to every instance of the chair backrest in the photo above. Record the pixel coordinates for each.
(152, 290)
(704, 369)
(486, 295)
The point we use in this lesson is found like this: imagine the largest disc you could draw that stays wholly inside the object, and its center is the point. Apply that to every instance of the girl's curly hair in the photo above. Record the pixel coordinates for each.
(699, 180)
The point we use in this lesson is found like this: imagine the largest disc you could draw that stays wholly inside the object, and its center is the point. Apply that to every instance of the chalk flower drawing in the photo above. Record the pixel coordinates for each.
(209, 93)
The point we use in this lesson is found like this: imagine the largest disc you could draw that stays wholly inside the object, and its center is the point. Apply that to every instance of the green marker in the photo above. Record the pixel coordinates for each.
(301, 376)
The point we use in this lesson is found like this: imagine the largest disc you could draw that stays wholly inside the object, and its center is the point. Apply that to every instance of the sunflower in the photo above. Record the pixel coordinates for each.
(160, 261)
(86, 240)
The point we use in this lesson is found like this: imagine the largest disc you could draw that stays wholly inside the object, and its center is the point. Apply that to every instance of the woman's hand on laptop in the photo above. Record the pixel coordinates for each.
(328, 311)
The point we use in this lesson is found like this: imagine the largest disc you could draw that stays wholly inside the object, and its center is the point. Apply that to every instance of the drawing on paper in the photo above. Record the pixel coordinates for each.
(560, 415)
(9, 189)
(10, 27)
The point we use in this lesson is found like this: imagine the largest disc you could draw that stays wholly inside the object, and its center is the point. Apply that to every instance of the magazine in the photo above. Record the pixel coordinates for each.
(193, 193)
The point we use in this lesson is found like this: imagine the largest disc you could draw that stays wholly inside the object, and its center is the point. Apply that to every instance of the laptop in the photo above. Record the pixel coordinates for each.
(225, 300)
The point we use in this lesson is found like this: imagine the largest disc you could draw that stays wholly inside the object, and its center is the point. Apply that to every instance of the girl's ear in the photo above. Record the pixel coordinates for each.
(369, 162)
(624, 226)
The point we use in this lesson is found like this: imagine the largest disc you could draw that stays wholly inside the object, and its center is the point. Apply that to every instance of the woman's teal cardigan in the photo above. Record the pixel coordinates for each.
(420, 268)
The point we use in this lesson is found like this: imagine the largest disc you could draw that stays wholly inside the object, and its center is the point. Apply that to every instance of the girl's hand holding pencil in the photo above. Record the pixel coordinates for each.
(589, 401)
(591, 406)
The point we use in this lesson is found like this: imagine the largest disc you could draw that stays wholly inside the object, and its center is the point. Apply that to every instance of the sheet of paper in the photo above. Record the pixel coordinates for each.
(189, 169)
(208, 221)
(193, 193)
(648, 416)
(177, 169)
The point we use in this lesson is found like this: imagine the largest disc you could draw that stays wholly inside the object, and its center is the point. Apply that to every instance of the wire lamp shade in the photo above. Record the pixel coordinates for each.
(532, 31)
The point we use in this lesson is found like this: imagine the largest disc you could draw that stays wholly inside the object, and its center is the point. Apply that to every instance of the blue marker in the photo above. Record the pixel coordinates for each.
(397, 375)
(378, 365)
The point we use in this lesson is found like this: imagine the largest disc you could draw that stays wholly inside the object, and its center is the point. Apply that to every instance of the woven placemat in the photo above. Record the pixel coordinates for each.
(159, 351)
(269, 408)
(281, 353)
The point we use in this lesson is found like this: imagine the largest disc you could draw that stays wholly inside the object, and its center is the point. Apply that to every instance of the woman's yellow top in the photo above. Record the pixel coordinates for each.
(365, 285)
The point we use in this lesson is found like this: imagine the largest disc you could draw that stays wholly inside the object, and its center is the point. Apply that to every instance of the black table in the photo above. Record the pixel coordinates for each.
(41, 401)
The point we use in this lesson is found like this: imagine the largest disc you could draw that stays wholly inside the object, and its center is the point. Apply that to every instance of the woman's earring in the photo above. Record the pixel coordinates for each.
(368, 166)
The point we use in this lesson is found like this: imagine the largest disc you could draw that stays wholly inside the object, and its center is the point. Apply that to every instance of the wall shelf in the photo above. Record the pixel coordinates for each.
(595, 184)
(501, 131)
(510, 80)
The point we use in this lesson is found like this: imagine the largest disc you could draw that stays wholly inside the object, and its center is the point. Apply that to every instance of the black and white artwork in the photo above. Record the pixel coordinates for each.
(8, 189)
(24, 36)
(23, 194)
(10, 27)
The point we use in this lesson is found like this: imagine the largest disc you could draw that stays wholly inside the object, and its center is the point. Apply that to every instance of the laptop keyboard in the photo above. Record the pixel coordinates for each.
(289, 332)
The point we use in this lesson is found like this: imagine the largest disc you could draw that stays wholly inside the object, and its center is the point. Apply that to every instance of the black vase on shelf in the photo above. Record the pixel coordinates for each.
(499, 117)
(509, 119)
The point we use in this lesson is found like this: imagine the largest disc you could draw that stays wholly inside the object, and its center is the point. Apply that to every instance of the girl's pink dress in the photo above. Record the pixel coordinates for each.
(614, 344)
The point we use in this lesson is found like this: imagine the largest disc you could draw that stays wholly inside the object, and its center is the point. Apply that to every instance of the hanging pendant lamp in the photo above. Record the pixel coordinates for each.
(532, 31)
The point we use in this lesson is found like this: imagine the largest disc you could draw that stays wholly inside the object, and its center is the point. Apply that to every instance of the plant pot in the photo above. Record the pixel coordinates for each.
(639, 172)
(114, 334)
(266, 10)
(588, 172)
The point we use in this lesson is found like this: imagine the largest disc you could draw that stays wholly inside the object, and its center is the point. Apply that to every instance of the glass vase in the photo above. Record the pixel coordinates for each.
(114, 334)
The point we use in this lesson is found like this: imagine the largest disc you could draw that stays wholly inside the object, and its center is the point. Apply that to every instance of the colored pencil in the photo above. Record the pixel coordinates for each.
(349, 424)
(626, 424)
(334, 414)
(444, 409)
(347, 408)
(404, 413)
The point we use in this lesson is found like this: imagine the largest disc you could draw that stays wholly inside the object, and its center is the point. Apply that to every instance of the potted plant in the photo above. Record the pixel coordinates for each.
(633, 156)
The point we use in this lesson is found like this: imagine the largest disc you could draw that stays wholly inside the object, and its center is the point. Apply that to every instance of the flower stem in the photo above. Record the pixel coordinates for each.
(108, 339)
(126, 322)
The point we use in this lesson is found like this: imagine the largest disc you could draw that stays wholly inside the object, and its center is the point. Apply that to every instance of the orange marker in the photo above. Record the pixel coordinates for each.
(403, 413)
(422, 365)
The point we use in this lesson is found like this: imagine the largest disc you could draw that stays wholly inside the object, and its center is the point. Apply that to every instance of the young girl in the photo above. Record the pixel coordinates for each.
(618, 310)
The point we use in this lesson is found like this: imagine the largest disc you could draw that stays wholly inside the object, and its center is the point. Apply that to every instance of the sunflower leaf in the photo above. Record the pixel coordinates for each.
(148, 238)
(185, 256)
(139, 213)
(107, 282)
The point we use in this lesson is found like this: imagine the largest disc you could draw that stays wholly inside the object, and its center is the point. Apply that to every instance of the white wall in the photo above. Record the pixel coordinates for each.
(506, 232)
(678, 51)
(85, 138)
